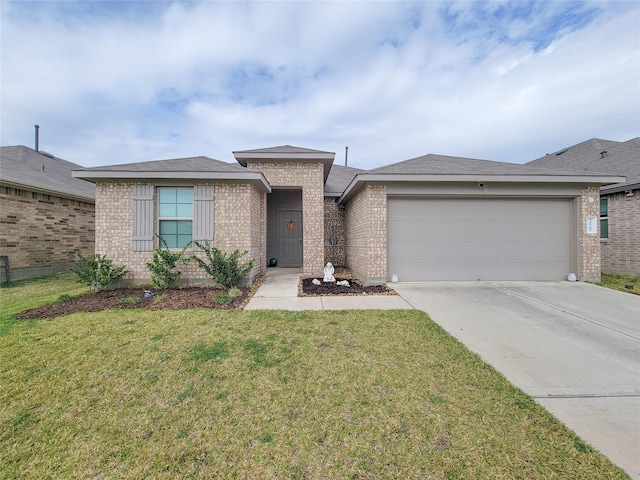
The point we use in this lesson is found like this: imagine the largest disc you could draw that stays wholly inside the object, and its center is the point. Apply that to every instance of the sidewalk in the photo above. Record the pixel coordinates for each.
(280, 292)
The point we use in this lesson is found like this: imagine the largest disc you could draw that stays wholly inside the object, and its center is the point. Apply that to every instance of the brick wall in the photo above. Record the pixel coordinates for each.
(621, 251)
(334, 227)
(589, 259)
(309, 176)
(42, 233)
(237, 207)
(366, 228)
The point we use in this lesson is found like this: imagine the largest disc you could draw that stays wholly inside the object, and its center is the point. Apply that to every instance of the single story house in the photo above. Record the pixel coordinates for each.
(619, 202)
(428, 218)
(46, 215)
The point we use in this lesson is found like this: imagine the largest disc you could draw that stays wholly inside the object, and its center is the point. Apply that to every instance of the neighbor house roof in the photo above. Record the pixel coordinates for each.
(442, 168)
(286, 153)
(597, 155)
(339, 178)
(23, 167)
(202, 168)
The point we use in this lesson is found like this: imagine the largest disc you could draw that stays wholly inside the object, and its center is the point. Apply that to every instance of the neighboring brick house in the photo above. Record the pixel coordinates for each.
(46, 215)
(429, 218)
(619, 203)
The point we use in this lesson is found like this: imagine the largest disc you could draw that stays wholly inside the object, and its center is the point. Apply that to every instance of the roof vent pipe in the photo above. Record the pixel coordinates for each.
(604, 154)
(37, 137)
(346, 155)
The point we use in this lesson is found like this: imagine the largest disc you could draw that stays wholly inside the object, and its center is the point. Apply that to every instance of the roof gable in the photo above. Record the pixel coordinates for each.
(24, 167)
(286, 153)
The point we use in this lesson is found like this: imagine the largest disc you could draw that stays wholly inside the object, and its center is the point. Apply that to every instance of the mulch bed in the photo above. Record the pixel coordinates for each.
(128, 298)
(307, 288)
(193, 297)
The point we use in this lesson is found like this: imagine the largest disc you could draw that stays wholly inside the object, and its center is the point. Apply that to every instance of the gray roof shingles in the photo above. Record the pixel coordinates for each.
(23, 166)
(432, 164)
(339, 178)
(191, 164)
(282, 149)
(621, 158)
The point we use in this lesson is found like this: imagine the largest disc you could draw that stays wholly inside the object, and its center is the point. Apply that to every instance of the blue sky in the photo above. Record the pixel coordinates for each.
(116, 82)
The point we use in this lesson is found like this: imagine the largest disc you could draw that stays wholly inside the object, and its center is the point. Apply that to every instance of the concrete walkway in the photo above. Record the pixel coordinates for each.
(280, 292)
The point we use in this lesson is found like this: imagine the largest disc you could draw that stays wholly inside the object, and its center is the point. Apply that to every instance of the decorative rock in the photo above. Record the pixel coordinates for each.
(315, 281)
(328, 273)
(148, 294)
(343, 283)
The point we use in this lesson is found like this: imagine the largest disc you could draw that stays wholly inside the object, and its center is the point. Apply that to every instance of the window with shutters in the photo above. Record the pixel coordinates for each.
(179, 215)
(175, 216)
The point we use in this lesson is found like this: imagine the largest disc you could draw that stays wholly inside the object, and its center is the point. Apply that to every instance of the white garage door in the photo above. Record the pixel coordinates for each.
(479, 239)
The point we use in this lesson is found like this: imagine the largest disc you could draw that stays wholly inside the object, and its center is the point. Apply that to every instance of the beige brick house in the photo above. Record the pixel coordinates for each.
(619, 227)
(46, 216)
(428, 218)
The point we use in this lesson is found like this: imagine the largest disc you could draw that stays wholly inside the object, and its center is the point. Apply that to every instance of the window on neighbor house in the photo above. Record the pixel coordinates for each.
(604, 217)
(175, 216)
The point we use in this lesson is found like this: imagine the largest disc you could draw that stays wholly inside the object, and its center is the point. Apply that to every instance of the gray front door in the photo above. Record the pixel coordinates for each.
(290, 238)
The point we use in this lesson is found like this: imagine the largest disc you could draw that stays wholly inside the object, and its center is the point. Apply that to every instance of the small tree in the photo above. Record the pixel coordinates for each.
(163, 264)
(225, 269)
(97, 271)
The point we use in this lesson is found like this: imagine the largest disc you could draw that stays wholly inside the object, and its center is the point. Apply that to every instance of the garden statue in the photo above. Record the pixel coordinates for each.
(328, 273)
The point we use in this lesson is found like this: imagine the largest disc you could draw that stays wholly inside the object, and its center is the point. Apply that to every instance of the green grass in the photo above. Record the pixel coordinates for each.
(262, 394)
(620, 282)
(24, 294)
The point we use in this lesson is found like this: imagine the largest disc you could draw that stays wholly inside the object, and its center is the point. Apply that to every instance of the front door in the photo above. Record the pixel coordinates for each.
(290, 238)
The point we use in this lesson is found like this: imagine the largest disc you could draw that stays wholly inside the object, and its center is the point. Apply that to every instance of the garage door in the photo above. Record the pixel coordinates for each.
(479, 239)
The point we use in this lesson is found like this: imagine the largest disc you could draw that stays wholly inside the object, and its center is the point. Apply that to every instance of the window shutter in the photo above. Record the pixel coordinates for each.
(142, 218)
(202, 214)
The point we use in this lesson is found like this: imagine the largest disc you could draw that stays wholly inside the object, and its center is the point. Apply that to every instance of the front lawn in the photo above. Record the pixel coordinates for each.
(624, 283)
(263, 394)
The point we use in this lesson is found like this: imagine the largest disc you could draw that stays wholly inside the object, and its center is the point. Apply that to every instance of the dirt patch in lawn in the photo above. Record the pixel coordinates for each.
(128, 298)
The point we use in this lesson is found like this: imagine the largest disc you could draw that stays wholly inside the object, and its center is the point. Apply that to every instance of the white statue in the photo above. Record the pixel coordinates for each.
(328, 273)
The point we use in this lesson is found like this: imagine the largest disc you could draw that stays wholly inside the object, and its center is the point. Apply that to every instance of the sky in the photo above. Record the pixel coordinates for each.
(122, 81)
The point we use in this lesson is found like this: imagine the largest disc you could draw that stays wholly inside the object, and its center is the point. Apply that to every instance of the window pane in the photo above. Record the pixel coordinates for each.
(184, 196)
(167, 195)
(604, 228)
(183, 240)
(184, 210)
(168, 227)
(604, 207)
(184, 227)
(168, 210)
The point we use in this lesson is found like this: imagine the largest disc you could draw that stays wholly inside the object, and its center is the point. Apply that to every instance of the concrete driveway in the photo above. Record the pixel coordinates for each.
(574, 347)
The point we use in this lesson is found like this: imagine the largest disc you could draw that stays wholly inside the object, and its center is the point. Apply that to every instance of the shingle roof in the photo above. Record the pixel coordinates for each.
(445, 165)
(191, 164)
(282, 149)
(339, 178)
(597, 155)
(23, 166)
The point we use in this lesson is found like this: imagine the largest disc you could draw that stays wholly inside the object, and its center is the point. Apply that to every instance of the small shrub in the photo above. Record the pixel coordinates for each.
(130, 300)
(235, 292)
(97, 271)
(224, 268)
(222, 297)
(65, 297)
(163, 265)
(159, 298)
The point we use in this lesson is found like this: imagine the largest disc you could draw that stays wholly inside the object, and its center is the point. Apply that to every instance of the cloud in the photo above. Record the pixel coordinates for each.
(114, 82)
